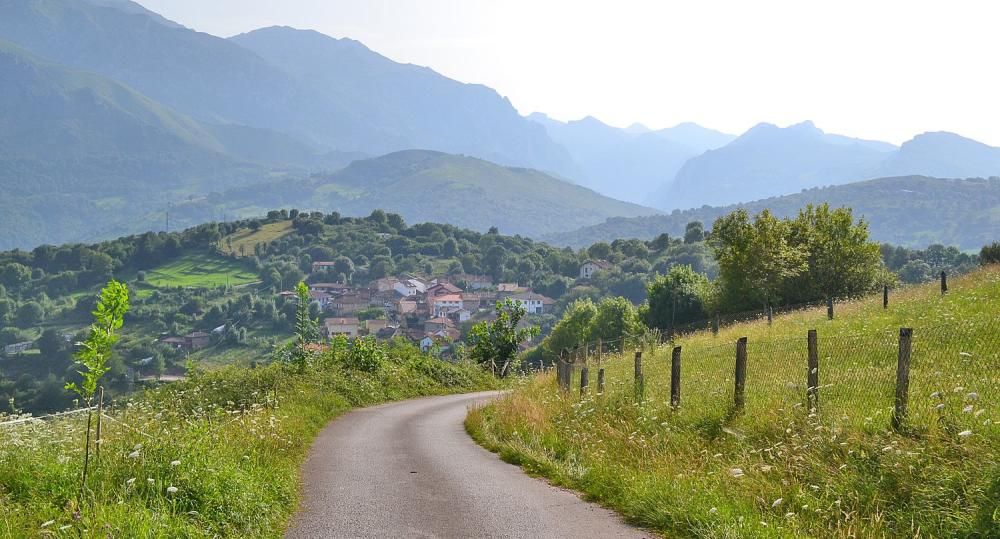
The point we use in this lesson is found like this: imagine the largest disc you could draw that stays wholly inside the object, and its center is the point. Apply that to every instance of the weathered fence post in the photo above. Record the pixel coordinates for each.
(829, 308)
(885, 296)
(675, 377)
(902, 378)
(584, 380)
(770, 314)
(639, 385)
(944, 282)
(600, 350)
(600, 381)
(100, 412)
(739, 396)
(715, 324)
(812, 376)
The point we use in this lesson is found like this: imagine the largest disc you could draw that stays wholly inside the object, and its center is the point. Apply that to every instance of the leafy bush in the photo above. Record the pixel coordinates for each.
(366, 354)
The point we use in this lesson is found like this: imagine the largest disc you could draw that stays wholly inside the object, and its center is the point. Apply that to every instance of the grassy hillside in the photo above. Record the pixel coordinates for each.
(427, 186)
(910, 211)
(200, 270)
(778, 468)
(217, 455)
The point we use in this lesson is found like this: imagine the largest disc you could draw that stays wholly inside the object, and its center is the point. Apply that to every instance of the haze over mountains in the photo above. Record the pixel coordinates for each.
(111, 114)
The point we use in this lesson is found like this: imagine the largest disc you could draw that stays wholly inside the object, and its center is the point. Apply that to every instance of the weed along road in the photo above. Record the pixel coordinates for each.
(409, 469)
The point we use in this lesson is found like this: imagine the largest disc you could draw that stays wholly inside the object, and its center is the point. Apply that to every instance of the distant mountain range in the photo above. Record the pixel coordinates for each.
(768, 161)
(629, 163)
(111, 114)
(914, 211)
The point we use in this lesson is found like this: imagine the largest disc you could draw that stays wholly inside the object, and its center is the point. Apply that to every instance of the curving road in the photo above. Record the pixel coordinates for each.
(409, 469)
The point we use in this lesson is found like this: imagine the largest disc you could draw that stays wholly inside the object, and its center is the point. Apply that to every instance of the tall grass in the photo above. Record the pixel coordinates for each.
(779, 468)
(217, 455)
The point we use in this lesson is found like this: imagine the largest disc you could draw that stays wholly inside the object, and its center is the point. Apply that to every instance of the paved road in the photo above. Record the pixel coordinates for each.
(409, 469)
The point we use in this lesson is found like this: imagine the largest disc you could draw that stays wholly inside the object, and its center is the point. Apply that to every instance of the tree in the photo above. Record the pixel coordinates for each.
(841, 261)
(494, 261)
(29, 315)
(694, 232)
(990, 254)
(449, 248)
(14, 275)
(616, 320)
(573, 329)
(679, 297)
(95, 351)
(381, 266)
(344, 265)
(599, 251)
(755, 258)
(495, 344)
(50, 344)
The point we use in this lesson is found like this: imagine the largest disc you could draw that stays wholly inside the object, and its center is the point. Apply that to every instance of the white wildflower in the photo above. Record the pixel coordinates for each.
(967, 409)
(130, 482)
(973, 396)
(175, 463)
(48, 523)
(777, 502)
(736, 472)
(713, 510)
(171, 490)
(133, 455)
(965, 433)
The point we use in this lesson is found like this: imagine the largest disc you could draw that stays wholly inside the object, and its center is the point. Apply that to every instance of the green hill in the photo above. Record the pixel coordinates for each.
(780, 468)
(910, 211)
(427, 186)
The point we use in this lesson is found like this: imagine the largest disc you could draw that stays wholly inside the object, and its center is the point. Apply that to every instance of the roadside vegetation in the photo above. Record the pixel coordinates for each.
(782, 468)
(215, 455)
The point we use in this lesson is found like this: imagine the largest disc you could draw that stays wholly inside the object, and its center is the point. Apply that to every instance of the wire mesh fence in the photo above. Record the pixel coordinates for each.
(937, 379)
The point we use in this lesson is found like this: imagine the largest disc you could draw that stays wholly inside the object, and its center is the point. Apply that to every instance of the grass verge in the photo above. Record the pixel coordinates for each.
(217, 455)
(780, 468)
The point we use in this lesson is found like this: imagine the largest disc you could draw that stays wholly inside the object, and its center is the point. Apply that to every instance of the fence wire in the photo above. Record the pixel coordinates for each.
(953, 381)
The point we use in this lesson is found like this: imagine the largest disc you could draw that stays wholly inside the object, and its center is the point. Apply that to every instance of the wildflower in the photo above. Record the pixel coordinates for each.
(967, 409)
(130, 482)
(965, 433)
(965, 354)
(972, 396)
(133, 455)
(777, 502)
(939, 406)
(713, 510)
(48, 523)
(150, 480)
(174, 463)
(171, 489)
(765, 468)
(789, 515)
(736, 472)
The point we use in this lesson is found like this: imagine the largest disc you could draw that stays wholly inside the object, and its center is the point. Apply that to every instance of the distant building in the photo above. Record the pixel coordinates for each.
(442, 305)
(442, 289)
(590, 267)
(341, 326)
(320, 266)
(375, 325)
(330, 288)
(351, 303)
(436, 324)
(17, 348)
(533, 303)
(197, 340)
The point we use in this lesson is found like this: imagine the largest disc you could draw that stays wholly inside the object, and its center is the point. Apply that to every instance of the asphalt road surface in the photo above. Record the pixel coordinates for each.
(409, 469)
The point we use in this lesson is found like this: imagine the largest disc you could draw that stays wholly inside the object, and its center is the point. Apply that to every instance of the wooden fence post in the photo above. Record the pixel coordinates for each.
(829, 308)
(944, 282)
(902, 378)
(600, 350)
(715, 324)
(100, 411)
(639, 385)
(770, 314)
(600, 381)
(675, 377)
(584, 380)
(885, 296)
(739, 396)
(812, 376)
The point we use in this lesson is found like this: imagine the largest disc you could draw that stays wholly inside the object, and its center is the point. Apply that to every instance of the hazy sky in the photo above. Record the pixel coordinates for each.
(874, 68)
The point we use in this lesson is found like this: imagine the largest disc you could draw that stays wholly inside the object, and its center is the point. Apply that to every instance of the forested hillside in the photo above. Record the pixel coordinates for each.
(913, 211)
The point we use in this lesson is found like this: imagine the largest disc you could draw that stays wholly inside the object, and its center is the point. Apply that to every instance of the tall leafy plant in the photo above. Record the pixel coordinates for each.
(95, 352)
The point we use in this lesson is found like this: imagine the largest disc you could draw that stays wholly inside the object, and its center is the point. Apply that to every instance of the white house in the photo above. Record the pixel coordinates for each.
(533, 303)
(17, 348)
(590, 267)
(448, 303)
(405, 288)
(342, 326)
